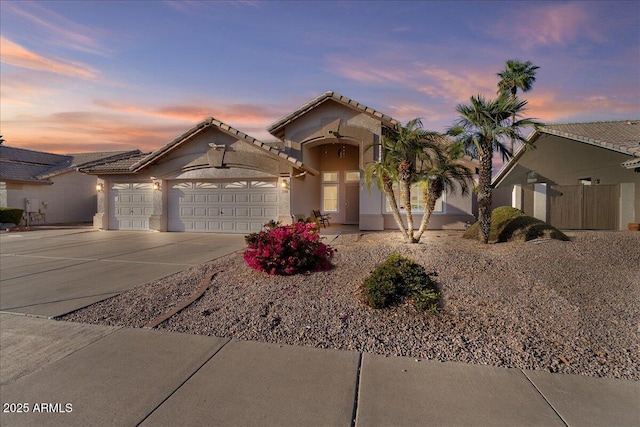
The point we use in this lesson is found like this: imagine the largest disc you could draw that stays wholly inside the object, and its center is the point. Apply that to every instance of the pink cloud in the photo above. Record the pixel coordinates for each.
(235, 114)
(16, 55)
(365, 71)
(63, 31)
(448, 85)
(549, 24)
(548, 106)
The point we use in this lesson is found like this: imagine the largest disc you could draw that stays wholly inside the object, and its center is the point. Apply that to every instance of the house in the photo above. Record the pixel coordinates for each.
(214, 178)
(578, 176)
(48, 186)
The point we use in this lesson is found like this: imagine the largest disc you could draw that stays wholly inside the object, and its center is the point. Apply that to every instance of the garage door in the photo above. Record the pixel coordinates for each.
(223, 206)
(130, 206)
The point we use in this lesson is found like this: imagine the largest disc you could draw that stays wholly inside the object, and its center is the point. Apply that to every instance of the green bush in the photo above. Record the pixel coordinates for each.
(508, 224)
(400, 278)
(11, 215)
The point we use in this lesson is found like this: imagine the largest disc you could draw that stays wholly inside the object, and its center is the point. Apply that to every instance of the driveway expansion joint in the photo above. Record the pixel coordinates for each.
(544, 397)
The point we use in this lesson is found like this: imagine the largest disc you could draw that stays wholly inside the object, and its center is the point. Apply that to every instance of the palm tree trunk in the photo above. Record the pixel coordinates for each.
(484, 194)
(388, 191)
(405, 195)
(433, 194)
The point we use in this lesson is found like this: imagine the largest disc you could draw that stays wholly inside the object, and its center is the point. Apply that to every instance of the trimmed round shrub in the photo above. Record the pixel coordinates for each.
(509, 224)
(287, 249)
(400, 278)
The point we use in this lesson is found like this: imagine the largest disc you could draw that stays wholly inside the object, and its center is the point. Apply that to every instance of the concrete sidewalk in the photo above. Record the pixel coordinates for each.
(98, 375)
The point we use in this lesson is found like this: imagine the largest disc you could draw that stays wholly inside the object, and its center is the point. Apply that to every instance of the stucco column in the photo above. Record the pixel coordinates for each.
(516, 197)
(101, 217)
(284, 200)
(158, 219)
(627, 204)
(540, 201)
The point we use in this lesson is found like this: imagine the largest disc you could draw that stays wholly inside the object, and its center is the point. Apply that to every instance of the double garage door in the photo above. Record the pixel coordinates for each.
(239, 206)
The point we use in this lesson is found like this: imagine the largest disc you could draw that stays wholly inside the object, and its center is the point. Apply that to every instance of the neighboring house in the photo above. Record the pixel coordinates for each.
(214, 178)
(578, 176)
(48, 186)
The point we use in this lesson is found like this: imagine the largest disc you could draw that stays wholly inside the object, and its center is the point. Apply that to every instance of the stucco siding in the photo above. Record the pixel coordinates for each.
(564, 162)
(71, 197)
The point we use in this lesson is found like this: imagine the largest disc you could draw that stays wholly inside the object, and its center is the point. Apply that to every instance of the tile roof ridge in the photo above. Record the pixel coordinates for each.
(629, 121)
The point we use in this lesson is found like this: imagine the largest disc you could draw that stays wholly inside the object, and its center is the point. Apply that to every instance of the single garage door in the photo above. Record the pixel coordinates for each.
(130, 206)
(224, 206)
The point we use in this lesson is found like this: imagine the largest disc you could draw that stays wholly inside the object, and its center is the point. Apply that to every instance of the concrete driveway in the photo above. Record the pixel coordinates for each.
(53, 272)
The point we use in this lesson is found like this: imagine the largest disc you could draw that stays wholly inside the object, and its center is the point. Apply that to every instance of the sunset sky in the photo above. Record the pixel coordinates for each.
(98, 76)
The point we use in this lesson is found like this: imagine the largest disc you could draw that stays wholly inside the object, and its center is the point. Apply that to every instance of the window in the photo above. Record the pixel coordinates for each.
(329, 176)
(330, 198)
(352, 176)
(263, 184)
(235, 184)
(416, 200)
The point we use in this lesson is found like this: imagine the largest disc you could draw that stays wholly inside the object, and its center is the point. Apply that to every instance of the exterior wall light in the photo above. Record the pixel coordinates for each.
(284, 184)
(99, 187)
(156, 186)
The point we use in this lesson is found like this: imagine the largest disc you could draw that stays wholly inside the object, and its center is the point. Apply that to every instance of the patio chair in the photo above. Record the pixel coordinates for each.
(322, 218)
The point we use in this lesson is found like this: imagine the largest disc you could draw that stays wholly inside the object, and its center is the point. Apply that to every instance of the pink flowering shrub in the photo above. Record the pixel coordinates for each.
(288, 249)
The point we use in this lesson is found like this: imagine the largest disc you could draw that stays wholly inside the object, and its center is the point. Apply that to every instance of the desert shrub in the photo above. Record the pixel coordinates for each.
(11, 215)
(287, 249)
(400, 278)
(508, 224)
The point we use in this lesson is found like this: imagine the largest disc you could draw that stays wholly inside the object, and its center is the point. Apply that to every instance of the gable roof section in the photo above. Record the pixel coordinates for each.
(622, 136)
(31, 166)
(277, 128)
(202, 126)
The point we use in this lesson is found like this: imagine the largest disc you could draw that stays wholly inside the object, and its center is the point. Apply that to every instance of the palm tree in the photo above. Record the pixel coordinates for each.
(384, 172)
(443, 171)
(516, 75)
(482, 127)
(408, 154)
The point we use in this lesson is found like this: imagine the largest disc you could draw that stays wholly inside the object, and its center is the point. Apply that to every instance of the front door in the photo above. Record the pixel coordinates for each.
(352, 204)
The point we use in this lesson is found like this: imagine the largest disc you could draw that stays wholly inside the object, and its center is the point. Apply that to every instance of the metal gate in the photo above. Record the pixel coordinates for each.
(590, 207)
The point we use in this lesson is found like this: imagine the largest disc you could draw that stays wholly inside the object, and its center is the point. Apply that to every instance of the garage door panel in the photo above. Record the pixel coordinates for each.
(228, 198)
(227, 207)
(202, 211)
(242, 198)
(130, 206)
(227, 211)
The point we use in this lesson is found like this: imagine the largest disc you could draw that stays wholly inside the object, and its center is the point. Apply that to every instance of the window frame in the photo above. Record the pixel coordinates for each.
(420, 210)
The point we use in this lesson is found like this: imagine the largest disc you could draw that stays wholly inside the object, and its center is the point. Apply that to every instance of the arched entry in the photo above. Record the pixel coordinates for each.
(340, 173)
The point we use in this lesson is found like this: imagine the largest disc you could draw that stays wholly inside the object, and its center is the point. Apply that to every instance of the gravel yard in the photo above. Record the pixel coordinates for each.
(570, 307)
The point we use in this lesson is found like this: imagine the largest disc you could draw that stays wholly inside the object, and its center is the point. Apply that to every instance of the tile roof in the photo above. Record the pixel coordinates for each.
(622, 136)
(212, 122)
(277, 128)
(23, 165)
(121, 164)
(23, 155)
